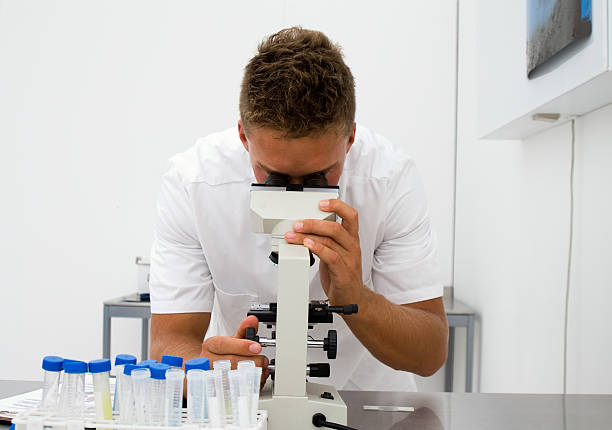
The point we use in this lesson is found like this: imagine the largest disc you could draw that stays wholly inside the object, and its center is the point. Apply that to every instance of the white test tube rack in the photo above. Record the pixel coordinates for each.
(36, 419)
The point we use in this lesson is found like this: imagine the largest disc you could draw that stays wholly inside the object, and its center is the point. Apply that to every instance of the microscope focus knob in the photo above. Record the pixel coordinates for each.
(274, 258)
(250, 334)
(330, 344)
(318, 370)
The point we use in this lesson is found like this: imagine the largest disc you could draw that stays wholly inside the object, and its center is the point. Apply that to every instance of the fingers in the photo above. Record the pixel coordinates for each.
(224, 345)
(327, 255)
(349, 215)
(298, 239)
(250, 321)
(326, 229)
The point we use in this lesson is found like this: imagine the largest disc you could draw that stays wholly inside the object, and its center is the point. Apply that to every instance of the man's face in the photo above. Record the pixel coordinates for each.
(270, 152)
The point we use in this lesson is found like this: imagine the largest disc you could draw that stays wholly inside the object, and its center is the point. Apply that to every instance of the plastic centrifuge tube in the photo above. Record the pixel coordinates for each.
(146, 363)
(172, 361)
(255, 374)
(244, 364)
(224, 366)
(52, 367)
(174, 396)
(141, 384)
(158, 393)
(196, 389)
(120, 361)
(127, 412)
(240, 391)
(196, 396)
(214, 398)
(72, 395)
(100, 372)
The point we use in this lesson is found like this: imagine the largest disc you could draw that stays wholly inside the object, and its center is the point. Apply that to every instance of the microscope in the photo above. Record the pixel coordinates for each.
(291, 401)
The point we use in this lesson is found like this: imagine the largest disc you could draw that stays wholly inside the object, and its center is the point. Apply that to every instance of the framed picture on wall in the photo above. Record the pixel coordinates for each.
(553, 25)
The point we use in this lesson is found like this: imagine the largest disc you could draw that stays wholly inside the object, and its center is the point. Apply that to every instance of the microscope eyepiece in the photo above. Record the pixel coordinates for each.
(316, 179)
(277, 179)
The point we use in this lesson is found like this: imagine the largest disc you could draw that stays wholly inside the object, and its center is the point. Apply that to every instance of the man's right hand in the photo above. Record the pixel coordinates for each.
(236, 348)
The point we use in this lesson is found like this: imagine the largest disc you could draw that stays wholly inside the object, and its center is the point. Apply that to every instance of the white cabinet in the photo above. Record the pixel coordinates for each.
(578, 81)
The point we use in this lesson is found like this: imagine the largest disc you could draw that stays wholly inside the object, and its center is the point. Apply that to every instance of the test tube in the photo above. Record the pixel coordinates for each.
(72, 395)
(196, 396)
(243, 364)
(224, 366)
(52, 369)
(141, 382)
(255, 374)
(127, 408)
(174, 396)
(158, 393)
(100, 370)
(196, 389)
(240, 390)
(214, 398)
(172, 360)
(146, 363)
(120, 361)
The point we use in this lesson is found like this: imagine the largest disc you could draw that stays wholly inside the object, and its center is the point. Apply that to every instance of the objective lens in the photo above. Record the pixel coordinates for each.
(277, 179)
(316, 179)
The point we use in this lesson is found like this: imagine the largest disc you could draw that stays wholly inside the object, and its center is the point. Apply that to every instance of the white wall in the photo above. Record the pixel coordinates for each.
(512, 244)
(95, 96)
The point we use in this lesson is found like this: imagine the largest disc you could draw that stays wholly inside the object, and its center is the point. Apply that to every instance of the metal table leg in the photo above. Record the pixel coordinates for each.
(106, 332)
(144, 345)
(450, 361)
(469, 354)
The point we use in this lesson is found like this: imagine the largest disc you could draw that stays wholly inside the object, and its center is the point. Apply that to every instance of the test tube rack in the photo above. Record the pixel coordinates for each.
(35, 419)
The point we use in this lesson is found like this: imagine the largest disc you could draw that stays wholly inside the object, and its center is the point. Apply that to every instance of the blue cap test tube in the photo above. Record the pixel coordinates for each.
(127, 414)
(72, 395)
(120, 361)
(100, 370)
(196, 389)
(52, 368)
(158, 393)
(174, 396)
(172, 361)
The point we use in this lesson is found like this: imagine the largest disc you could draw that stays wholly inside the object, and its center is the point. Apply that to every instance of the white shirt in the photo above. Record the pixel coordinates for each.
(206, 259)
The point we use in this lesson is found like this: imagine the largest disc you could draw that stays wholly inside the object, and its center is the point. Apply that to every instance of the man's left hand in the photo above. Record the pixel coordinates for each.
(337, 246)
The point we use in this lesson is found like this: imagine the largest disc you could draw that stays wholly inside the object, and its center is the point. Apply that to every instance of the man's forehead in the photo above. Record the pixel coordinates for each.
(295, 157)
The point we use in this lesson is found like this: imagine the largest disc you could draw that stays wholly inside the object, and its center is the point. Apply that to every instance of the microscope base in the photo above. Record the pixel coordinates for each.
(296, 413)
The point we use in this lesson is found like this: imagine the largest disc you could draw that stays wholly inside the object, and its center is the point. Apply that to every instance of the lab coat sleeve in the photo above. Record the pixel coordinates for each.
(180, 280)
(405, 267)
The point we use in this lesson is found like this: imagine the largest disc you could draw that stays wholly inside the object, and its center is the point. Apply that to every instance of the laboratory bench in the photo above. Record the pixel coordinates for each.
(456, 411)
(458, 314)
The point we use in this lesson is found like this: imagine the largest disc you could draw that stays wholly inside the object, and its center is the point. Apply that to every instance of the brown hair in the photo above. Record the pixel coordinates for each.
(299, 84)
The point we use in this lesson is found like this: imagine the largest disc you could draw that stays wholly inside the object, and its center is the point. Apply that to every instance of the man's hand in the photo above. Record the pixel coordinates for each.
(237, 348)
(337, 246)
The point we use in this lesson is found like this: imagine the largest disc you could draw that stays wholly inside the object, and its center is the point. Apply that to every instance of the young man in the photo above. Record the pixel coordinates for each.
(297, 108)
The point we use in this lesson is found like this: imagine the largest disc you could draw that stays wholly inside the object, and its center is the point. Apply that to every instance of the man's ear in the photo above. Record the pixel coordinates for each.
(351, 139)
(242, 135)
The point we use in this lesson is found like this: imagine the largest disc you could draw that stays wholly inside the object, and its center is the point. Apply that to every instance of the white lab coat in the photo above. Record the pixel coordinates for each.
(205, 258)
